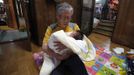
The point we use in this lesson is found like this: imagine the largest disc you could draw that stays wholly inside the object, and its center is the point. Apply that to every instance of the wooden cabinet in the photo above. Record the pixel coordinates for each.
(124, 28)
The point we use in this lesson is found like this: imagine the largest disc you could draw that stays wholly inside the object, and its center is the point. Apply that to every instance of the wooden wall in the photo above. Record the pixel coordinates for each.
(124, 28)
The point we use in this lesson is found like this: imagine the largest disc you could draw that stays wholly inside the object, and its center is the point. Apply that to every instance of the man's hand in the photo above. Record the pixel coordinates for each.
(50, 52)
(59, 46)
(64, 56)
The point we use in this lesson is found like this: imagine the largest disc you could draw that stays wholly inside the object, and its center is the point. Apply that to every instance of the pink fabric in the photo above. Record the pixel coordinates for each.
(38, 58)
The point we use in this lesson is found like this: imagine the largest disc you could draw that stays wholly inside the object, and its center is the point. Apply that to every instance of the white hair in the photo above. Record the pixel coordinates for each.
(63, 7)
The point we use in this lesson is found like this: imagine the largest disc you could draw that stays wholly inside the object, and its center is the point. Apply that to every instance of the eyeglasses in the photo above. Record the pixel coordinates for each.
(63, 17)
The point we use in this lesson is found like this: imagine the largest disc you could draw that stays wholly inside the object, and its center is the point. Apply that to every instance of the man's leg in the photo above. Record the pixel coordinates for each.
(75, 65)
(71, 66)
(59, 70)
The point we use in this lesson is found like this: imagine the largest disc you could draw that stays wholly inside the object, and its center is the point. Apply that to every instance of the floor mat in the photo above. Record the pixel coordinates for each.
(106, 63)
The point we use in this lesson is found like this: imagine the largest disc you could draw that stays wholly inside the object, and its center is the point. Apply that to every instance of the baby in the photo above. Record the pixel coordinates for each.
(51, 62)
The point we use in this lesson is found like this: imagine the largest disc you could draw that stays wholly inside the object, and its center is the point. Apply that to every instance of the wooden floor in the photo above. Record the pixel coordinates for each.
(15, 59)
(104, 41)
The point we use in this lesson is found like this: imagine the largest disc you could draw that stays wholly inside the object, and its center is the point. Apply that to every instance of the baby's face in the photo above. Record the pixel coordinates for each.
(74, 33)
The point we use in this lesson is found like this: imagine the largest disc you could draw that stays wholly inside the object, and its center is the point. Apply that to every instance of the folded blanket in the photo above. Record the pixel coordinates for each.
(84, 49)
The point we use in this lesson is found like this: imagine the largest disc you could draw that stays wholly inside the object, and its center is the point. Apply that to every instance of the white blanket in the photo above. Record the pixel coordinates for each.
(86, 52)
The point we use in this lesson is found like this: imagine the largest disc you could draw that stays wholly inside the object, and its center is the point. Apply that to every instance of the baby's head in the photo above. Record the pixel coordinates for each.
(77, 35)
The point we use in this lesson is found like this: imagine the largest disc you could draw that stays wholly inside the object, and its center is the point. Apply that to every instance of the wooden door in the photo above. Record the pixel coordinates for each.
(124, 28)
(10, 11)
(25, 9)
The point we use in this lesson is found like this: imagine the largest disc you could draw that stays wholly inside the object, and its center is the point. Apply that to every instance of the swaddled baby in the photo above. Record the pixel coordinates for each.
(50, 63)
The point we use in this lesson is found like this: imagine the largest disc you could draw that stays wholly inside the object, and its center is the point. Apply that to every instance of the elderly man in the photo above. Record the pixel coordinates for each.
(70, 62)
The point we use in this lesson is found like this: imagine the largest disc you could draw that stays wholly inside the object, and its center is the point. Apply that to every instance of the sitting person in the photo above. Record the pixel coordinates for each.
(70, 62)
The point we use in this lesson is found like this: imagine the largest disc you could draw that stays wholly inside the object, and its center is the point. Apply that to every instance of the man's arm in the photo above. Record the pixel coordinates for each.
(47, 35)
(63, 56)
(66, 55)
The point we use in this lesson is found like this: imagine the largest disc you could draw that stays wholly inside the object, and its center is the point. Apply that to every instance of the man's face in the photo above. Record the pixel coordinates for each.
(64, 18)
